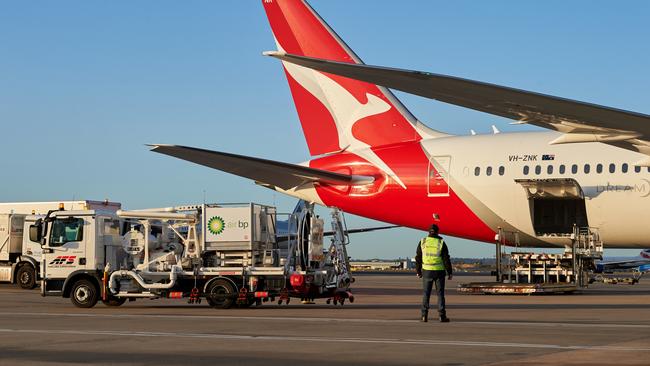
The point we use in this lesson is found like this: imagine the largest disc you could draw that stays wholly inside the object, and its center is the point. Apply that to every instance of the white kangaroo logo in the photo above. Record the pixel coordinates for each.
(346, 110)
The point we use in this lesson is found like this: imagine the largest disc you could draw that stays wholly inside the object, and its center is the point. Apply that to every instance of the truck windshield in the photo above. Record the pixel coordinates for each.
(66, 230)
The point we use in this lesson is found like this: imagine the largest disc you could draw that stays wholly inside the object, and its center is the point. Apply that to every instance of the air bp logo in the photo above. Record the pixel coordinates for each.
(216, 225)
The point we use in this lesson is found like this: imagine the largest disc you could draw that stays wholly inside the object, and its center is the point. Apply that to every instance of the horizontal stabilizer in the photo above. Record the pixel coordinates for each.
(490, 98)
(268, 172)
(580, 121)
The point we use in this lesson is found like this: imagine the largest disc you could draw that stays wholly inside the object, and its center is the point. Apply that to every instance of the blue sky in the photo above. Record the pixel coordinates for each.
(85, 84)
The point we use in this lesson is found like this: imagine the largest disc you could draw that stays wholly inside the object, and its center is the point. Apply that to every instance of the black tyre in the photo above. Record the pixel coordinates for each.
(114, 301)
(221, 294)
(84, 294)
(247, 304)
(26, 277)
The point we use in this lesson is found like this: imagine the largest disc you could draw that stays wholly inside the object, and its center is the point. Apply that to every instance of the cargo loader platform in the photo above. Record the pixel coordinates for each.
(499, 288)
(530, 273)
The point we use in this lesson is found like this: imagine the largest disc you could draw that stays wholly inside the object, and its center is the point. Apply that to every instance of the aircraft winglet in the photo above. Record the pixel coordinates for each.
(276, 54)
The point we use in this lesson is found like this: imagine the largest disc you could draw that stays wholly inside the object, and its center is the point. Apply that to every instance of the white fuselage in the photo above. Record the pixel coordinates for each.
(616, 202)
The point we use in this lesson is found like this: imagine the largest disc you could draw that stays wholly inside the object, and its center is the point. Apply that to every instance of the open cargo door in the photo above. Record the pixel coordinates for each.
(556, 205)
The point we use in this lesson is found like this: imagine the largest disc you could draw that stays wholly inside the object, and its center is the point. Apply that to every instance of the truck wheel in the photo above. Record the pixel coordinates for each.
(26, 277)
(221, 294)
(247, 304)
(84, 294)
(115, 301)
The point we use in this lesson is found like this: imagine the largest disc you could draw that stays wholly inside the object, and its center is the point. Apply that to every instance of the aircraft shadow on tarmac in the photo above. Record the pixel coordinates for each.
(553, 306)
(361, 291)
(415, 305)
(115, 357)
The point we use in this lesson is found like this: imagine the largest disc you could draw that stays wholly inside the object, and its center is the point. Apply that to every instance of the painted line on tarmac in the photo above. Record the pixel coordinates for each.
(323, 320)
(560, 325)
(396, 341)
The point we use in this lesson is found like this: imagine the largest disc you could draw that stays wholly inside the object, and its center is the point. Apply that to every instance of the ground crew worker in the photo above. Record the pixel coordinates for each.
(432, 264)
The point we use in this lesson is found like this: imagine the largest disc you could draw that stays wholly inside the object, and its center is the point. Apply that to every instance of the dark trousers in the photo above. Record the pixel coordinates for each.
(428, 279)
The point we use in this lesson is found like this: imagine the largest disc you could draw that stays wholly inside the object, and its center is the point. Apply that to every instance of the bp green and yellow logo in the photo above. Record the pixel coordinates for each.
(216, 225)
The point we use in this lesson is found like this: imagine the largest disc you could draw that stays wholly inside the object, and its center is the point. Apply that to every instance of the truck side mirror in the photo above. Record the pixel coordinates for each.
(35, 233)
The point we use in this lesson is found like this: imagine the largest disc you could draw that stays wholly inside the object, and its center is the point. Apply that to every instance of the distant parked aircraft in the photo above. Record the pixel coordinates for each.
(641, 263)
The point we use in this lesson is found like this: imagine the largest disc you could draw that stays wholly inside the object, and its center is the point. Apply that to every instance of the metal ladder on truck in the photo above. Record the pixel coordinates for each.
(336, 264)
(338, 251)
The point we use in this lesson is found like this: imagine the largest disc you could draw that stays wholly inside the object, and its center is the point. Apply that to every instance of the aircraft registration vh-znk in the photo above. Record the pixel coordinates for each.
(373, 158)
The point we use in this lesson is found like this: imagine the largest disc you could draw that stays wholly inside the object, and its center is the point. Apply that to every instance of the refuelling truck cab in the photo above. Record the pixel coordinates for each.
(20, 258)
(72, 261)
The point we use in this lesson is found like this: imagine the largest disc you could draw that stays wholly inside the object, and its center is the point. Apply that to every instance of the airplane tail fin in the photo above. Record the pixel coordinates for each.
(336, 113)
(645, 253)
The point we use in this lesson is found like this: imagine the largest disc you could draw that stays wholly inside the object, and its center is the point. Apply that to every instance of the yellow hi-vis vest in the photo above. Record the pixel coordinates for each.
(431, 254)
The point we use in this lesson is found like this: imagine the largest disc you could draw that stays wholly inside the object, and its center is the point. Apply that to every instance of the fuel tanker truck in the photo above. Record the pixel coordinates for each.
(226, 254)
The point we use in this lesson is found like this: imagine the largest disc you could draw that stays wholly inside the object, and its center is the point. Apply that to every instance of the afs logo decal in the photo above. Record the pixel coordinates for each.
(63, 260)
(216, 225)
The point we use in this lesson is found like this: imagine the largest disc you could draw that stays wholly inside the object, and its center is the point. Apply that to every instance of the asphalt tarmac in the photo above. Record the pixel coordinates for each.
(603, 325)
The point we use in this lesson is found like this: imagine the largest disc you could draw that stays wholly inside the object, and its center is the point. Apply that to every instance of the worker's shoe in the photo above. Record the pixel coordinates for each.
(444, 319)
(424, 318)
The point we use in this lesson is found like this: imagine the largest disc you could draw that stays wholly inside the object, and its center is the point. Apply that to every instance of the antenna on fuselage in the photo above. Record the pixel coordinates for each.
(472, 132)
(495, 130)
